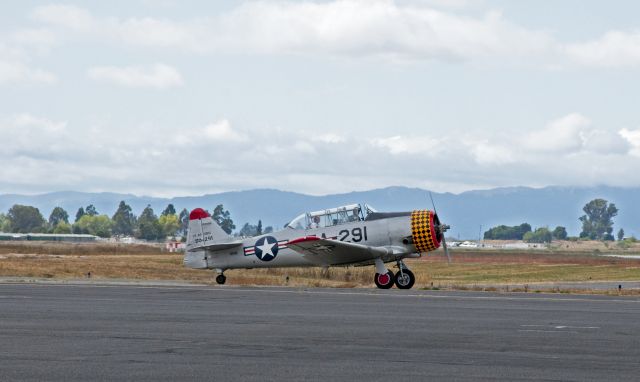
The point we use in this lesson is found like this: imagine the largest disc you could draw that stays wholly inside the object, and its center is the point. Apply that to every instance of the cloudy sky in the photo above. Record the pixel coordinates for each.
(168, 98)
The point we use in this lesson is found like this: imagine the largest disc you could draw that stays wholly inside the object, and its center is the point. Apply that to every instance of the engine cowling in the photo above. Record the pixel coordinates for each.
(425, 232)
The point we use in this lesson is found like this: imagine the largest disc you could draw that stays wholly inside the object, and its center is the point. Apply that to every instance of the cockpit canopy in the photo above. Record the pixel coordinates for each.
(331, 217)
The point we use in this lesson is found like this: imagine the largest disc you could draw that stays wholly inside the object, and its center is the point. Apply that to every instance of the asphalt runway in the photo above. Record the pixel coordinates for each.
(154, 333)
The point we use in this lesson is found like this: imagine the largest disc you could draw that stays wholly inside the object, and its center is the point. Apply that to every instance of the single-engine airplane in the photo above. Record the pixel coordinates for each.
(349, 235)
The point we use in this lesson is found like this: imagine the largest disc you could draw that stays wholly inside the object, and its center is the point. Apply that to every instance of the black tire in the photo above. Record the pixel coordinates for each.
(220, 279)
(380, 283)
(405, 280)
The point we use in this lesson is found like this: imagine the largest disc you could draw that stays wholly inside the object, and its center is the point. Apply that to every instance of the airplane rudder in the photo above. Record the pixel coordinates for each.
(195, 234)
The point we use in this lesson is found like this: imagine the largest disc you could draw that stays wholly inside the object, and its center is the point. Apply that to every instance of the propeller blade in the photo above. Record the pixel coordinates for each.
(446, 249)
(432, 203)
(443, 229)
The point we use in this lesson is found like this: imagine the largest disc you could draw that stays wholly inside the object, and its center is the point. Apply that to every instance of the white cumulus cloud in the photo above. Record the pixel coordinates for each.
(487, 153)
(562, 135)
(98, 155)
(29, 135)
(633, 138)
(19, 72)
(574, 133)
(39, 37)
(14, 68)
(67, 16)
(398, 31)
(413, 31)
(613, 49)
(373, 28)
(330, 138)
(399, 144)
(158, 76)
(29, 121)
(222, 131)
(605, 142)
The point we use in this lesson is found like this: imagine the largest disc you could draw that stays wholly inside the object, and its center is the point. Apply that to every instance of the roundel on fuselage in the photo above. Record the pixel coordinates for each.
(266, 248)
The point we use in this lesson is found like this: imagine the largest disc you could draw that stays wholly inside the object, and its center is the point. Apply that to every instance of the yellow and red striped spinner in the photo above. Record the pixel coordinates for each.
(425, 237)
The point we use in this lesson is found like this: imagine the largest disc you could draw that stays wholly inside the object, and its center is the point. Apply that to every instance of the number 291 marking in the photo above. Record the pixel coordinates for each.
(357, 234)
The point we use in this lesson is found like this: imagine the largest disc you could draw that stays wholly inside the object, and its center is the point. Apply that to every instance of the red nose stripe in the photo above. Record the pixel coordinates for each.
(434, 236)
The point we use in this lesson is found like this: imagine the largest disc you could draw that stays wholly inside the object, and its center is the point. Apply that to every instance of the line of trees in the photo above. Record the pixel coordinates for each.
(503, 232)
(525, 233)
(597, 224)
(254, 230)
(148, 226)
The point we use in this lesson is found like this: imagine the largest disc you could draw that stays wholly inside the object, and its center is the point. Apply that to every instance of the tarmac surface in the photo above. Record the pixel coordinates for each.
(565, 286)
(60, 332)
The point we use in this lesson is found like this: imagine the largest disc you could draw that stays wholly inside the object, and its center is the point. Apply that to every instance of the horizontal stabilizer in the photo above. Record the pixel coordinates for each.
(218, 247)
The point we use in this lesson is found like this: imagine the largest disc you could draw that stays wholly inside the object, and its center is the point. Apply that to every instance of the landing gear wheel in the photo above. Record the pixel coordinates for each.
(220, 279)
(384, 281)
(405, 279)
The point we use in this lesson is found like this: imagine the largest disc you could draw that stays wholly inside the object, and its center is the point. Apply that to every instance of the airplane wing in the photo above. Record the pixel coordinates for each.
(335, 252)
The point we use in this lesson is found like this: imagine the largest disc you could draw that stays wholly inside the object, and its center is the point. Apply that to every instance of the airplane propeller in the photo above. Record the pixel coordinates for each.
(442, 228)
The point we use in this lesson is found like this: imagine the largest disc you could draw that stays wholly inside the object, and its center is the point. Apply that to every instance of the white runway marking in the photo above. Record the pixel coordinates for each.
(562, 326)
(556, 328)
(546, 331)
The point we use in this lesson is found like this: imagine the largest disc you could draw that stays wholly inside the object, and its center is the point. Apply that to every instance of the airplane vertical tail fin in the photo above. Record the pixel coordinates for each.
(204, 232)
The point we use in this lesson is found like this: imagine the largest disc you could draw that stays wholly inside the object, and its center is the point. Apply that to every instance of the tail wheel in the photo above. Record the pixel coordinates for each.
(220, 279)
(405, 279)
(385, 280)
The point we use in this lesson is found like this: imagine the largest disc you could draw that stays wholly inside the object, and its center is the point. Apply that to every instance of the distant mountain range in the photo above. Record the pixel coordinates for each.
(466, 212)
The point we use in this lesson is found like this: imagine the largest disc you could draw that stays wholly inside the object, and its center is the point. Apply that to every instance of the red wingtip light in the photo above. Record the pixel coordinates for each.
(198, 213)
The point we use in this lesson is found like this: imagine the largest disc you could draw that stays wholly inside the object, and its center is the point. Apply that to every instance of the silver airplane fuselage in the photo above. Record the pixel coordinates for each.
(389, 232)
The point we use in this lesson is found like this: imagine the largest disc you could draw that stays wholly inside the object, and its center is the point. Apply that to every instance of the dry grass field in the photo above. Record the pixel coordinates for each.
(470, 268)
(588, 246)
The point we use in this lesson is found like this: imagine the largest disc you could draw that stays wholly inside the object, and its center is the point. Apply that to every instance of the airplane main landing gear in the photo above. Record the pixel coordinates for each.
(404, 277)
(384, 280)
(221, 278)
